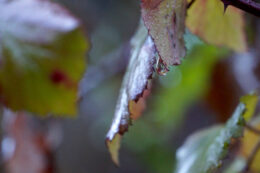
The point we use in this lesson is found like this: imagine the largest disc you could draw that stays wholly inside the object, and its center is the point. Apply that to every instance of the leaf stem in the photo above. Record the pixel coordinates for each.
(251, 157)
(252, 129)
(190, 3)
(249, 6)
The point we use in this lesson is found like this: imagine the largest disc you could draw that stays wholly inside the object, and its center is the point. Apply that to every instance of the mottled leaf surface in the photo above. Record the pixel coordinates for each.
(204, 151)
(42, 51)
(135, 81)
(165, 20)
(206, 18)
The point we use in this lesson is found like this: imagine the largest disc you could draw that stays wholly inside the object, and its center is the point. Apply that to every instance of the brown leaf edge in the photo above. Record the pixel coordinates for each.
(141, 43)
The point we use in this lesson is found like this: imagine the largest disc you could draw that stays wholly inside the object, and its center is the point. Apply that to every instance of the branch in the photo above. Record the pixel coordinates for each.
(190, 3)
(249, 6)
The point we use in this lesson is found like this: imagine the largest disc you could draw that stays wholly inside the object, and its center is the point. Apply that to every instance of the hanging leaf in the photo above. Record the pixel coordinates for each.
(204, 151)
(135, 81)
(42, 51)
(206, 18)
(165, 23)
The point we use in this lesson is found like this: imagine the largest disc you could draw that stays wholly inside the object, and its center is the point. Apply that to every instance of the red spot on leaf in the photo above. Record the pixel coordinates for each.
(58, 76)
(150, 4)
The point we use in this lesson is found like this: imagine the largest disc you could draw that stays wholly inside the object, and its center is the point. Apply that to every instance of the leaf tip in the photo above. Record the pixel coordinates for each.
(113, 146)
(226, 4)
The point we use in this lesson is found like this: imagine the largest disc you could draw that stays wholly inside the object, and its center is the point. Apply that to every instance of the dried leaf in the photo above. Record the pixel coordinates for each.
(135, 81)
(206, 19)
(113, 147)
(204, 151)
(165, 20)
(42, 57)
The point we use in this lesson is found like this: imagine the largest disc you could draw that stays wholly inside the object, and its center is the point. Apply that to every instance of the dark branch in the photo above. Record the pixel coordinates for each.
(190, 3)
(249, 6)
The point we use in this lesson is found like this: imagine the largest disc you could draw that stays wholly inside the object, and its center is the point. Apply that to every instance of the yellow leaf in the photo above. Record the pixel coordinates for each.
(206, 18)
(250, 101)
(113, 148)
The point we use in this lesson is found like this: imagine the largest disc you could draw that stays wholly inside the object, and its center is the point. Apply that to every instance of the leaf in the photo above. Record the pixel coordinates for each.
(205, 150)
(139, 71)
(250, 101)
(42, 52)
(206, 19)
(182, 87)
(191, 156)
(114, 146)
(165, 20)
(249, 142)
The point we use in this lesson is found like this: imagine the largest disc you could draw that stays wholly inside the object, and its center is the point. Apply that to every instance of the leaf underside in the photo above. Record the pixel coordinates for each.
(205, 150)
(135, 82)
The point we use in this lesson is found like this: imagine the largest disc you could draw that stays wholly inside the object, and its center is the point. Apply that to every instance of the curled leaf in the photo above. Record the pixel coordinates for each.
(139, 71)
(165, 20)
(42, 56)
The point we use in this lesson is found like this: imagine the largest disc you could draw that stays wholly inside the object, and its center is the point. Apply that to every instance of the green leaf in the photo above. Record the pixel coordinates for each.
(42, 50)
(204, 151)
(250, 101)
(165, 22)
(206, 18)
(139, 71)
(192, 155)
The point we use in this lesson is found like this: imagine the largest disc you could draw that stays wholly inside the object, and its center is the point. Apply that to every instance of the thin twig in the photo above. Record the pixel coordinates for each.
(249, 6)
(251, 157)
(253, 129)
(190, 3)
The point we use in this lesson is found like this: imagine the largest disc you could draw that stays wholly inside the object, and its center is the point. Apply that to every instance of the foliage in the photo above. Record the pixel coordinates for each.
(206, 19)
(204, 151)
(178, 43)
(165, 23)
(140, 69)
(40, 67)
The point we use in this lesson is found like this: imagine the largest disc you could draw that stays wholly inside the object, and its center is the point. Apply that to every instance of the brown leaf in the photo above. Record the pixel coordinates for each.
(139, 71)
(165, 20)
